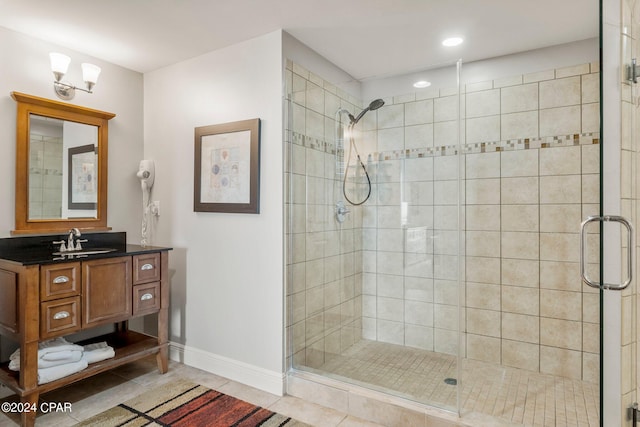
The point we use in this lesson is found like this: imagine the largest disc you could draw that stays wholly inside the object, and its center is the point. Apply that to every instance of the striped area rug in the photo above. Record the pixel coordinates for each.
(183, 403)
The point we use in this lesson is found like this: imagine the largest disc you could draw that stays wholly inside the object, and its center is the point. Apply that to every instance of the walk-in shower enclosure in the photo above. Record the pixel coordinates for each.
(457, 284)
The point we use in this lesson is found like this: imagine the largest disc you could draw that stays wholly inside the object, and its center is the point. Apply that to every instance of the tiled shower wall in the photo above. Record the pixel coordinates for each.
(324, 261)
(530, 175)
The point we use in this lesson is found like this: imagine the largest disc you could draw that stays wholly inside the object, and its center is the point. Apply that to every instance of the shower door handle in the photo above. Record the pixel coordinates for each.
(583, 244)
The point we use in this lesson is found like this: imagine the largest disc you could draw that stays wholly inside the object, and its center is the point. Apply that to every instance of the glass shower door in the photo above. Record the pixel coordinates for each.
(619, 198)
(531, 172)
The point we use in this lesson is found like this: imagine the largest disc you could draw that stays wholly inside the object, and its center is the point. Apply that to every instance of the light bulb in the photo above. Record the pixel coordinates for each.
(421, 84)
(452, 41)
(90, 74)
(59, 64)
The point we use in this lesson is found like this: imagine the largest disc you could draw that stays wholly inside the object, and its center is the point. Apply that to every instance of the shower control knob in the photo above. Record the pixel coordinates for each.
(341, 211)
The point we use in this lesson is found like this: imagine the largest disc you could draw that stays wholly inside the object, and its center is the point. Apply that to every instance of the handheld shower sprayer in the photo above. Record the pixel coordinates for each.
(374, 105)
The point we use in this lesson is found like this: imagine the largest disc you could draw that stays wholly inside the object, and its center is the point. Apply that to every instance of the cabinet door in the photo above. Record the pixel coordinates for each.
(106, 291)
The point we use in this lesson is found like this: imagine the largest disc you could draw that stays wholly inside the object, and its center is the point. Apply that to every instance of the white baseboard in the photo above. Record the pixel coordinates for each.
(251, 375)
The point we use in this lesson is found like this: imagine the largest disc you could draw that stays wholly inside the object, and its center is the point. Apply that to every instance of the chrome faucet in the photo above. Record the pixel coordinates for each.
(71, 245)
(74, 232)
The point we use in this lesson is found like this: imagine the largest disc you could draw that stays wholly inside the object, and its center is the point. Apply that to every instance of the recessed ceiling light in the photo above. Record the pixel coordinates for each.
(422, 83)
(452, 41)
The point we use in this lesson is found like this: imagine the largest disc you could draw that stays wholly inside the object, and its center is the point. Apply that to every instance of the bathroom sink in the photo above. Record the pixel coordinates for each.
(88, 251)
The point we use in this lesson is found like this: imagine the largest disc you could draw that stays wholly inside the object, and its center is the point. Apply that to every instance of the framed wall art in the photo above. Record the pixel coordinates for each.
(82, 181)
(227, 167)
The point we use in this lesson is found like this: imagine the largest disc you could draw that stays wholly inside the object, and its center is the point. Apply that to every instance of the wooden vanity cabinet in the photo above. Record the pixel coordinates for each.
(39, 302)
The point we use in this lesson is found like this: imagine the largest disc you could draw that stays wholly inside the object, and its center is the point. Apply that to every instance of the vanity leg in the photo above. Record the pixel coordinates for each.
(28, 417)
(163, 341)
(163, 315)
(28, 324)
(163, 360)
(122, 326)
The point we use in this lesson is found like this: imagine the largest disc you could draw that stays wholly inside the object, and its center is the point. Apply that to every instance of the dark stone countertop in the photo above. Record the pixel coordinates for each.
(39, 249)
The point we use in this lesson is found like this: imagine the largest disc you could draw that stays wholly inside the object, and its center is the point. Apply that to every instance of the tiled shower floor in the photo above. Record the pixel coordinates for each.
(509, 394)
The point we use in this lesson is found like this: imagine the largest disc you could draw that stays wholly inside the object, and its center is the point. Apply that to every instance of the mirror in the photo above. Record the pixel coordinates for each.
(62, 186)
(61, 166)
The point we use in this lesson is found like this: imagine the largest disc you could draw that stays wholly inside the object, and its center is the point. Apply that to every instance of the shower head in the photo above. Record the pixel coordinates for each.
(375, 104)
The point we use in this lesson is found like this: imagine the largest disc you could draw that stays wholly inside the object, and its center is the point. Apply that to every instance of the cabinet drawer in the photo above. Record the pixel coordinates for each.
(59, 281)
(59, 317)
(146, 298)
(146, 268)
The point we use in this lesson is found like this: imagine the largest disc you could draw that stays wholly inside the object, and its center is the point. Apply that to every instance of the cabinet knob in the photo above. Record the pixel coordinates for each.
(147, 267)
(61, 315)
(146, 297)
(61, 279)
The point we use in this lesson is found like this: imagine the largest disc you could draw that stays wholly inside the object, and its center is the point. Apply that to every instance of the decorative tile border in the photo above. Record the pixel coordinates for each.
(313, 143)
(451, 150)
(329, 146)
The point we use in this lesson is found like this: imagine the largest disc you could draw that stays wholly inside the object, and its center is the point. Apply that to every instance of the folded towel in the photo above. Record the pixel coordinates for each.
(47, 375)
(59, 355)
(97, 352)
(72, 356)
(96, 346)
(69, 357)
(47, 348)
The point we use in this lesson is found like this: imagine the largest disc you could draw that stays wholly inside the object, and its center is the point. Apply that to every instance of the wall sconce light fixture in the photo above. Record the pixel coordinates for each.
(59, 66)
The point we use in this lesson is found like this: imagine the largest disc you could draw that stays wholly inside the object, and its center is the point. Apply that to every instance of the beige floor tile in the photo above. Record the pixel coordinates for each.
(307, 412)
(350, 421)
(249, 394)
(102, 400)
(6, 422)
(196, 375)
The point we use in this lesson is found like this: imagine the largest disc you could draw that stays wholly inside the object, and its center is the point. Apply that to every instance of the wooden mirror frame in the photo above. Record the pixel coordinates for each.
(28, 105)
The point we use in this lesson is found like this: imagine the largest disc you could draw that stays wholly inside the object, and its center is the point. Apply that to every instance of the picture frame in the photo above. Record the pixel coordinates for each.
(82, 177)
(227, 167)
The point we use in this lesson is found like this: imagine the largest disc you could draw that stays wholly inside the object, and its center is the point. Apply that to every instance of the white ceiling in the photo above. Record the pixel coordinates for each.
(366, 38)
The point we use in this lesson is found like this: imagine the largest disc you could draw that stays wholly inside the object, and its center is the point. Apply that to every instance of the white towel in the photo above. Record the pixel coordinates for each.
(47, 375)
(59, 355)
(47, 348)
(63, 357)
(53, 352)
(97, 352)
(95, 346)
